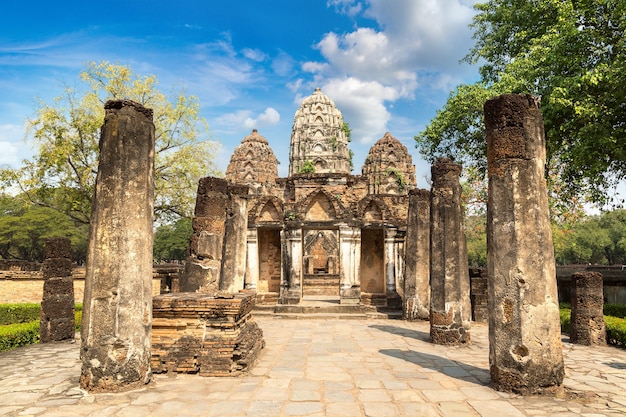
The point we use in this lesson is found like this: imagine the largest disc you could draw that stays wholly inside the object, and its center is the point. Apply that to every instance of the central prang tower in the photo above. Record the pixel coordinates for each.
(318, 141)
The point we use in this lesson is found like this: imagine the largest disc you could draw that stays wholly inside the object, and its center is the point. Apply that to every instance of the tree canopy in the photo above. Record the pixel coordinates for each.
(25, 226)
(570, 53)
(66, 133)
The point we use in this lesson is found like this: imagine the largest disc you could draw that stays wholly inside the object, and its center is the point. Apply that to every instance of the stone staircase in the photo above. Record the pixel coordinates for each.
(326, 308)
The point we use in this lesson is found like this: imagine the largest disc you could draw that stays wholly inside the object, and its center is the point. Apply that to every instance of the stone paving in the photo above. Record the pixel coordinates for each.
(314, 367)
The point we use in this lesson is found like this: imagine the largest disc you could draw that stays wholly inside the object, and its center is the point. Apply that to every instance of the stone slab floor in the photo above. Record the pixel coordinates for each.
(323, 368)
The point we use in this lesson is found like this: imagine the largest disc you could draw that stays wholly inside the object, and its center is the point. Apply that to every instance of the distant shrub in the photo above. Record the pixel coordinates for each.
(615, 310)
(18, 313)
(16, 331)
(564, 315)
(615, 331)
(19, 334)
(615, 327)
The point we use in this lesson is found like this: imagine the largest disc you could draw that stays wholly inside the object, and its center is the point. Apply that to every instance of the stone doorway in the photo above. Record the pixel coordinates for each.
(320, 278)
(372, 262)
(269, 261)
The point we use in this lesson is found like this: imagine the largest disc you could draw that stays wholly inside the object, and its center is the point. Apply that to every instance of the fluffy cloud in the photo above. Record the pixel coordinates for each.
(417, 45)
(269, 117)
(362, 106)
(244, 119)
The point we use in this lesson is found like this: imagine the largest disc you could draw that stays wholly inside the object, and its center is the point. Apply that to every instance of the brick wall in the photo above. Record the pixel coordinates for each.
(27, 286)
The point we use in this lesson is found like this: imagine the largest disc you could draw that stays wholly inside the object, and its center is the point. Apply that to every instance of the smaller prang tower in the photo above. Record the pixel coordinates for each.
(318, 141)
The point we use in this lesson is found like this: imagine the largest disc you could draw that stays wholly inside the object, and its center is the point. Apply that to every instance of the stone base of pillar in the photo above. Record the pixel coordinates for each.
(413, 311)
(350, 295)
(527, 381)
(290, 296)
(444, 329)
(204, 334)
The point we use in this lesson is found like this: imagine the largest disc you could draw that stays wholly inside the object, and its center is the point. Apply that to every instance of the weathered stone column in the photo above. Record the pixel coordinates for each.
(587, 320)
(450, 307)
(525, 351)
(117, 309)
(233, 266)
(291, 275)
(57, 305)
(252, 254)
(202, 269)
(350, 250)
(416, 304)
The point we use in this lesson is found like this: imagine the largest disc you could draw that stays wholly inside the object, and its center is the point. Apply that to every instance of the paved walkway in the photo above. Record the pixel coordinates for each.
(323, 368)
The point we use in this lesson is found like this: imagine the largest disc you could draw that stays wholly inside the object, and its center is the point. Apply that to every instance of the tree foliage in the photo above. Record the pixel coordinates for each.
(24, 227)
(171, 241)
(66, 132)
(594, 240)
(572, 54)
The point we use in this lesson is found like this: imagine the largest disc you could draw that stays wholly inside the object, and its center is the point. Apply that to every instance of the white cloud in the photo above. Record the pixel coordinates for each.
(347, 7)
(254, 54)
(11, 153)
(417, 45)
(8, 156)
(283, 64)
(244, 119)
(362, 104)
(269, 117)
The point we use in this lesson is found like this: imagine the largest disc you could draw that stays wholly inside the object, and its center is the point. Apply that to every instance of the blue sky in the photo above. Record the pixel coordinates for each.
(387, 64)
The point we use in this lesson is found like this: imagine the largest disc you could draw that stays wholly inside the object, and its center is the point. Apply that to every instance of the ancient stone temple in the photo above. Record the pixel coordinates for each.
(322, 232)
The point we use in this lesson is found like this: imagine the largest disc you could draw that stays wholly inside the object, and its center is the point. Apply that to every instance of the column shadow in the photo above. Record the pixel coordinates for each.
(415, 334)
(454, 369)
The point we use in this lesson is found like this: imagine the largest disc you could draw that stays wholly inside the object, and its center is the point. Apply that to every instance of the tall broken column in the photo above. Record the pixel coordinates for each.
(57, 305)
(450, 307)
(117, 309)
(587, 325)
(217, 251)
(416, 305)
(525, 351)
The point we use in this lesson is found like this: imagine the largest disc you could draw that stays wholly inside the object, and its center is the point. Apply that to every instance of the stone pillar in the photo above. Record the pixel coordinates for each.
(234, 246)
(117, 308)
(350, 250)
(587, 321)
(525, 351)
(202, 269)
(390, 260)
(252, 253)
(291, 275)
(416, 305)
(57, 305)
(450, 307)
(479, 294)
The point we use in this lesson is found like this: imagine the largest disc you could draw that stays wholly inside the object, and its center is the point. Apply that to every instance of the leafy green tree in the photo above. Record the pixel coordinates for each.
(573, 55)
(62, 174)
(476, 238)
(592, 240)
(171, 241)
(25, 226)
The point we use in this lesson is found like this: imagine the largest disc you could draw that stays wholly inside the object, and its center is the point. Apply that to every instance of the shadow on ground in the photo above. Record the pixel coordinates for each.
(415, 334)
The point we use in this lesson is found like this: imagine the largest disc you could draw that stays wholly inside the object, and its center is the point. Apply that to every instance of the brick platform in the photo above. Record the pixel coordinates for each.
(205, 334)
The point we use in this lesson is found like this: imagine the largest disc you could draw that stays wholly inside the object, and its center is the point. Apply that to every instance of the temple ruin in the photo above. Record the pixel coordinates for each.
(320, 233)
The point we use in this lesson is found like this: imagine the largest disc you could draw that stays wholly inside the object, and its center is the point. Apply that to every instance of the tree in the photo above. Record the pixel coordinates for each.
(171, 241)
(62, 174)
(592, 240)
(25, 226)
(572, 54)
